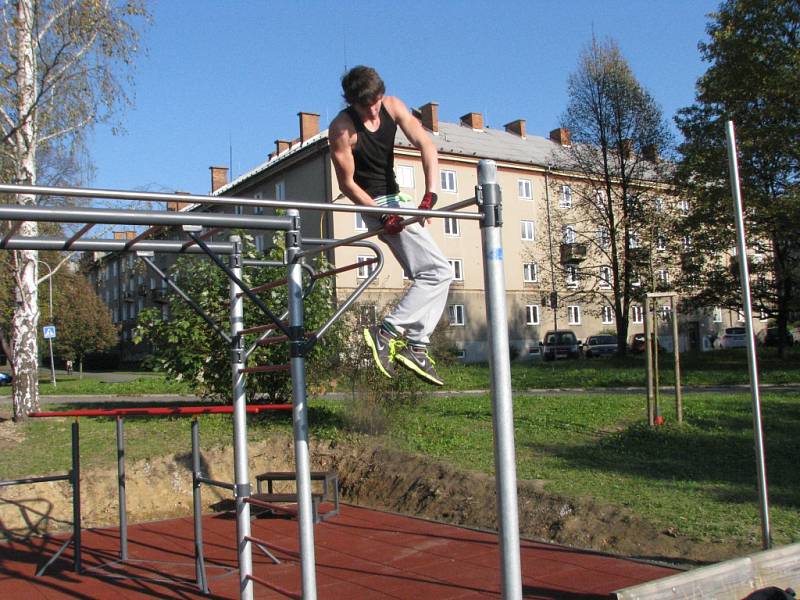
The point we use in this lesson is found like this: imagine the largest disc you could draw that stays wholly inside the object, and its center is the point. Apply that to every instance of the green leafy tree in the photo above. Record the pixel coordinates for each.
(753, 79)
(618, 137)
(82, 320)
(186, 348)
(62, 68)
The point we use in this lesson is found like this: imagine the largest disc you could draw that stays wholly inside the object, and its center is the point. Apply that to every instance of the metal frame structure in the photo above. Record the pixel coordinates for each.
(488, 200)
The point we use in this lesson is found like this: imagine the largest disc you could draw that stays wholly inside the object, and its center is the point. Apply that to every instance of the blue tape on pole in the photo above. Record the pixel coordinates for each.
(497, 255)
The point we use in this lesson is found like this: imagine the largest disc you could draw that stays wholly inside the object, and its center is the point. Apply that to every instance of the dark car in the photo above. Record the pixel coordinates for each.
(5, 378)
(600, 345)
(637, 343)
(771, 337)
(560, 344)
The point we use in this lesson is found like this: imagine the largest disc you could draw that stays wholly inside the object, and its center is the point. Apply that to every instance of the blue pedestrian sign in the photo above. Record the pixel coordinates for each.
(49, 331)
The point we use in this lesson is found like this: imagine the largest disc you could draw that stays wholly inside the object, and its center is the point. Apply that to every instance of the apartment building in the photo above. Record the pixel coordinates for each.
(533, 194)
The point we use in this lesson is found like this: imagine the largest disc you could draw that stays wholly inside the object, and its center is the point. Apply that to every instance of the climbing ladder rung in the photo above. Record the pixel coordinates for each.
(357, 265)
(267, 286)
(260, 328)
(265, 369)
(277, 339)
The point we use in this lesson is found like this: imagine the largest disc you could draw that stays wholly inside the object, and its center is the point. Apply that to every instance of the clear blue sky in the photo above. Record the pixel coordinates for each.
(234, 74)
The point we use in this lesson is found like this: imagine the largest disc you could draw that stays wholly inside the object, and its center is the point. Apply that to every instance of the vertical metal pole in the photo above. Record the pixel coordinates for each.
(656, 376)
(123, 503)
(199, 561)
(300, 411)
(241, 474)
(488, 192)
(648, 361)
(676, 349)
(76, 495)
(744, 277)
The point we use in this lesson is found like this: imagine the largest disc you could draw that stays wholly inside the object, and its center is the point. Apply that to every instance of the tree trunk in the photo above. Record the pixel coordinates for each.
(26, 310)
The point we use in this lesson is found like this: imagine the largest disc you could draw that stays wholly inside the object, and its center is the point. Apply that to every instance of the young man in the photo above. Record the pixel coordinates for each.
(362, 144)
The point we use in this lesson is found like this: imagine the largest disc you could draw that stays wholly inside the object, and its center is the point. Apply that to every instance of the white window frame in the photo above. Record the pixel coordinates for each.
(605, 278)
(258, 210)
(661, 242)
(457, 265)
(717, 314)
(452, 227)
(280, 190)
(532, 312)
(740, 316)
(574, 314)
(366, 270)
(405, 176)
(527, 231)
(360, 224)
(455, 314)
(565, 197)
(525, 189)
(607, 314)
(258, 240)
(572, 276)
(637, 313)
(530, 272)
(683, 207)
(658, 204)
(569, 235)
(603, 238)
(663, 276)
(448, 181)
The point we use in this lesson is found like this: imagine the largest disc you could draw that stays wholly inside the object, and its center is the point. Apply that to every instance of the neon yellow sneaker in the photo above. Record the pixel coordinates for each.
(382, 350)
(420, 363)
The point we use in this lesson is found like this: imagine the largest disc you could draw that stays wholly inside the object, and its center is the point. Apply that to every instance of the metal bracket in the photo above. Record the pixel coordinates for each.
(192, 228)
(242, 490)
(297, 343)
(237, 348)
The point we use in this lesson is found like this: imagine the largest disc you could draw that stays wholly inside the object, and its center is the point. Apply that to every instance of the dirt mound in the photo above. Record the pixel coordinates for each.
(369, 475)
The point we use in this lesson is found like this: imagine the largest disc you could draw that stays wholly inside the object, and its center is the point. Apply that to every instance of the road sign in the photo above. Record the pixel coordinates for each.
(49, 331)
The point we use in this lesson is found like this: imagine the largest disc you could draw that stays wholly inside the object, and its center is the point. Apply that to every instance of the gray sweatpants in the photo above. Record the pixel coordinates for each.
(419, 310)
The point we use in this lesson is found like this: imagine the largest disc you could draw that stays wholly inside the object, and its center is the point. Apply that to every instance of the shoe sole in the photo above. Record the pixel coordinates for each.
(375, 356)
(426, 377)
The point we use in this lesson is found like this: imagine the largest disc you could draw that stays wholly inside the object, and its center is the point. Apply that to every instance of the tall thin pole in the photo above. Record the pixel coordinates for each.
(744, 277)
(676, 352)
(648, 361)
(241, 475)
(500, 369)
(305, 513)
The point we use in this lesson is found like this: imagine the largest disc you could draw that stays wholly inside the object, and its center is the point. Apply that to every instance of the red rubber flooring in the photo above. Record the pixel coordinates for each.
(361, 554)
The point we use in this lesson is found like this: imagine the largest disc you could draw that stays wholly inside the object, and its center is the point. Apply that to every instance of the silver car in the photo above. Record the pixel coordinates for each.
(600, 345)
(734, 337)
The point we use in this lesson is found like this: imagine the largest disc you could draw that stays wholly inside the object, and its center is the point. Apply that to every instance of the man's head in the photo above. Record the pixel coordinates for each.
(362, 86)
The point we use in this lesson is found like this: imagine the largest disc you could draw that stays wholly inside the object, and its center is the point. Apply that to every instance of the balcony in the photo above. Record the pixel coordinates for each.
(573, 254)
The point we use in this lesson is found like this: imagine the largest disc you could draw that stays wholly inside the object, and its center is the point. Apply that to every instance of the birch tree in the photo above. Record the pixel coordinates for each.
(63, 68)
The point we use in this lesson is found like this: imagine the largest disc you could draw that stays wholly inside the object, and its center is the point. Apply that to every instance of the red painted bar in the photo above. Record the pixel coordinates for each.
(157, 411)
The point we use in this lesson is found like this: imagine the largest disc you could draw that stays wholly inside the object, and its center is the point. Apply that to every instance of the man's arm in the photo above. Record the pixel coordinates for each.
(417, 135)
(341, 132)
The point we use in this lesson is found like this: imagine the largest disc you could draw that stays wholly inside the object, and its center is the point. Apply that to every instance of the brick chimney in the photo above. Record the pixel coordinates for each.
(516, 127)
(309, 125)
(282, 146)
(473, 120)
(429, 115)
(560, 136)
(650, 152)
(219, 177)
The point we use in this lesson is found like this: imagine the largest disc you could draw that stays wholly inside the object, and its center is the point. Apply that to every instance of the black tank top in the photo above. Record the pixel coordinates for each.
(374, 155)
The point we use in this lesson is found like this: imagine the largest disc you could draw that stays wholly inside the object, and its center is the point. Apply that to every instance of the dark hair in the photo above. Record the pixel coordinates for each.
(362, 85)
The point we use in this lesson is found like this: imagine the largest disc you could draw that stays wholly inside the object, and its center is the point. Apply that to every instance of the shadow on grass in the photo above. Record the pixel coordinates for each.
(715, 448)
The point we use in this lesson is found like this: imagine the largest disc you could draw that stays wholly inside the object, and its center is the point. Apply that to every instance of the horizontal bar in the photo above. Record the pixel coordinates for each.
(276, 339)
(159, 411)
(274, 587)
(223, 200)
(222, 484)
(259, 328)
(142, 217)
(265, 369)
(364, 263)
(108, 245)
(42, 479)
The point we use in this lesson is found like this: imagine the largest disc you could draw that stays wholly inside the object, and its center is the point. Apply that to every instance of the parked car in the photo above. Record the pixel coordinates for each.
(600, 345)
(733, 337)
(771, 337)
(637, 343)
(560, 344)
(5, 378)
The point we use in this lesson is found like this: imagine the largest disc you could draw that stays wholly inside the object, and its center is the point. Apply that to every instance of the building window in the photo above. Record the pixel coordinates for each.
(717, 318)
(569, 236)
(455, 313)
(661, 242)
(574, 314)
(663, 276)
(687, 242)
(683, 207)
(448, 180)
(530, 272)
(366, 270)
(360, 224)
(603, 238)
(658, 204)
(527, 230)
(634, 241)
(280, 190)
(607, 315)
(451, 227)
(458, 268)
(238, 209)
(565, 199)
(259, 242)
(525, 189)
(637, 313)
(665, 312)
(405, 176)
(573, 277)
(532, 314)
(740, 316)
(605, 277)
(367, 315)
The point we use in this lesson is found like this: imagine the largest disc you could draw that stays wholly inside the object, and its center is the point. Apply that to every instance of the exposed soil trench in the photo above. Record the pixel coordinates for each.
(369, 475)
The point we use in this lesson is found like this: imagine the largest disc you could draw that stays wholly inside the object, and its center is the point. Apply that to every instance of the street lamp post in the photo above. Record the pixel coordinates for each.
(50, 340)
